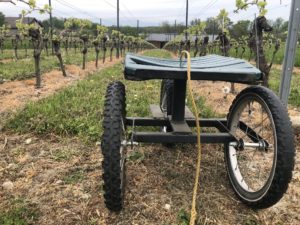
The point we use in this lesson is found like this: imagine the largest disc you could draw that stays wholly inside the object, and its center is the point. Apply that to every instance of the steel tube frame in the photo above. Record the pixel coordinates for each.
(290, 52)
(223, 136)
(220, 124)
(160, 137)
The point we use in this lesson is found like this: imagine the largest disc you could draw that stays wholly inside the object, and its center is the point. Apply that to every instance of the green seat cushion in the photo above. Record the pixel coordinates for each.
(211, 67)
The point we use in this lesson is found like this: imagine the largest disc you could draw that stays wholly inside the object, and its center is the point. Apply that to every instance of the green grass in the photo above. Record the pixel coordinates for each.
(269, 54)
(183, 217)
(24, 68)
(77, 110)
(74, 177)
(160, 53)
(19, 212)
(274, 84)
(136, 156)
(62, 154)
(10, 54)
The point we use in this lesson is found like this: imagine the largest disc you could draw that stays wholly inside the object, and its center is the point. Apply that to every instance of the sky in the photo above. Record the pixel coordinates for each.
(148, 12)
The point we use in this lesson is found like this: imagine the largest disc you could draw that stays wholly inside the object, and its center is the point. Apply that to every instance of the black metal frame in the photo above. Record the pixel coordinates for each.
(181, 126)
(180, 137)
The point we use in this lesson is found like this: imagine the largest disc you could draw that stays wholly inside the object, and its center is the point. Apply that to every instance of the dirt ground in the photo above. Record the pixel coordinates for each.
(219, 98)
(60, 180)
(15, 94)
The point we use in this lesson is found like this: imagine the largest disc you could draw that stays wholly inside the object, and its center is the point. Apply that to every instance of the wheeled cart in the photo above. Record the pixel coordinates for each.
(257, 133)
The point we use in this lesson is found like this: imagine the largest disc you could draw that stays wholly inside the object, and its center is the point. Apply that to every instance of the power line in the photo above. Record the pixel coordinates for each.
(108, 3)
(62, 2)
(181, 14)
(206, 7)
(131, 14)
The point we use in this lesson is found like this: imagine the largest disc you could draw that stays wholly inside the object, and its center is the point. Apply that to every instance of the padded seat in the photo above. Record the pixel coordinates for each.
(211, 67)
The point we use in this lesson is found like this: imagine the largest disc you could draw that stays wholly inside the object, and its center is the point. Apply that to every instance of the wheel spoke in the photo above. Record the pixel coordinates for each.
(252, 168)
(258, 174)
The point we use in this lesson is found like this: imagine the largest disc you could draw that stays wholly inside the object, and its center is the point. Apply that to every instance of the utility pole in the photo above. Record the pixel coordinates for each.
(175, 31)
(186, 19)
(290, 52)
(100, 22)
(118, 27)
(51, 26)
(214, 22)
(137, 27)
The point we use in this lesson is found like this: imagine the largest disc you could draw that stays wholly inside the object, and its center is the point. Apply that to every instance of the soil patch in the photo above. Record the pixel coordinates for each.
(16, 94)
(62, 178)
(219, 98)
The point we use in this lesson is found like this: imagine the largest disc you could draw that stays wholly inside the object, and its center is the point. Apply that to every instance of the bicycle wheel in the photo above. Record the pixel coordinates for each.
(113, 146)
(261, 161)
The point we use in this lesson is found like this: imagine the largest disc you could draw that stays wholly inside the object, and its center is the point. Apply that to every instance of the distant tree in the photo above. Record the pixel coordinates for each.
(166, 27)
(212, 26)
(127, 30)
(2, 19)
(280, 26)
(58, 24)
(179, 28)
(239, 29)
(285, 26)
(223, 20)
(277, 24)
(195, 22)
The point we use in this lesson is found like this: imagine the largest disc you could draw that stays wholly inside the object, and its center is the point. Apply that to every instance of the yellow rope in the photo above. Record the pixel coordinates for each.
(193, 210)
